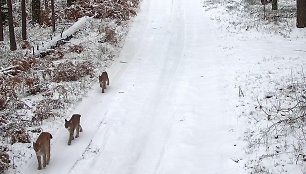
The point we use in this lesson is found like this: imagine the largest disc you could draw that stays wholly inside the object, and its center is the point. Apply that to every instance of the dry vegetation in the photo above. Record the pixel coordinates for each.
(249, 15)
(120, 10)
(276, 132)
(278, 128)
(49, 75)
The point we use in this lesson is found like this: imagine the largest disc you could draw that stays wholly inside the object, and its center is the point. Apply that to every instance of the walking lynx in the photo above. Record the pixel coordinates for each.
(73, 125)
(103, 80)
(42, 148)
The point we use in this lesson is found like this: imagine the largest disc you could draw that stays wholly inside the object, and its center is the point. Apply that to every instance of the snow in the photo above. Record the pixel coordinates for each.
(172, 105)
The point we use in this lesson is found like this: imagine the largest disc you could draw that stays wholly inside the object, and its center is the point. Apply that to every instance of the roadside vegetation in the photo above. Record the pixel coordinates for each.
(272, 96)
(39, 86)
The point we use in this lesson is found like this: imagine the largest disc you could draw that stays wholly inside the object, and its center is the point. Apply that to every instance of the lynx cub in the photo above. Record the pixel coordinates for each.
(103, 78)
(42, 148)
(72, 125)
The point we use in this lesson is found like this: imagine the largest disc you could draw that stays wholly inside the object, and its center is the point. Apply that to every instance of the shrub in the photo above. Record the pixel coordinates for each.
(4, 159)
(68, 71)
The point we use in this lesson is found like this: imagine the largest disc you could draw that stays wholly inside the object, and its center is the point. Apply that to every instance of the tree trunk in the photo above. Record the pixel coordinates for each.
(301, 13)
(1, 25)
(24, 20)
(53, 15)
(11, 26)
(36, 11)
(274, 5)
(70, 2)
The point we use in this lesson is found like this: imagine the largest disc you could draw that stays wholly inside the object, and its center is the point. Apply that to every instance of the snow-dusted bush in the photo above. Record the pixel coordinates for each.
(276, 135)
(4, 159)
(68, 71)
(19, 135)
(76, 49)
(121, 10)
(249, 15)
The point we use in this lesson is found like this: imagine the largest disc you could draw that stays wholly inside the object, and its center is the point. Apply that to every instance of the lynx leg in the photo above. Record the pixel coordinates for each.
(77, 131)
(72, 134)
(39, 162)
(81, 129)
(69, 141)
(48, 159)
(48, 154)
(44, 160)
(104, 85)
(70, 137)
(107, 81)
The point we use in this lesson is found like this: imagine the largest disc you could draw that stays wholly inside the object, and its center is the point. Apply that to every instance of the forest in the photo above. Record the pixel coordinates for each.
(45, 69)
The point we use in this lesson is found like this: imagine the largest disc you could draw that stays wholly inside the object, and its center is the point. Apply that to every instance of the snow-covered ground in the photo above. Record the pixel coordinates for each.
(173, 103)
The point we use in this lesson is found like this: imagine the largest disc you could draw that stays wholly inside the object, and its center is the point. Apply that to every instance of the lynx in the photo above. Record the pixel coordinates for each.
(103, 80)
(42, 148)
(73, 125)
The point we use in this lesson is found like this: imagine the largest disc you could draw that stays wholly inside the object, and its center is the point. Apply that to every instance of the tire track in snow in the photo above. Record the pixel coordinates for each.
(179, 43)
(172, 60)
(163, 82)
(104, 126)
(86, 150)
(68, 157)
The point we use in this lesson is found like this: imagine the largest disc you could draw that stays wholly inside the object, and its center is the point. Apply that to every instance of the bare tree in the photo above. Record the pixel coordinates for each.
(1, 24)
(11, 26)
(24, 20)
(301, 13)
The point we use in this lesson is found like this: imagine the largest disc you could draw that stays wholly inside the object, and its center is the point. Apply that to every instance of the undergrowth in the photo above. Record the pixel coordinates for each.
(55, 81)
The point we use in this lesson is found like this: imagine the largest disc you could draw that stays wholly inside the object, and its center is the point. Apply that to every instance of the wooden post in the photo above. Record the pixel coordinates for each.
(62, 32)
(264, 3)
(264, 11)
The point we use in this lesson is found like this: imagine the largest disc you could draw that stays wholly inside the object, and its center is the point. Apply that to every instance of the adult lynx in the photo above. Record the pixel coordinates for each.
(103, 80)
(72, 125)
(42, 148)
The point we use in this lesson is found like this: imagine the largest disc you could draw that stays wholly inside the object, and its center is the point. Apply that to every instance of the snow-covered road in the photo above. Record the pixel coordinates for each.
(168, 107)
